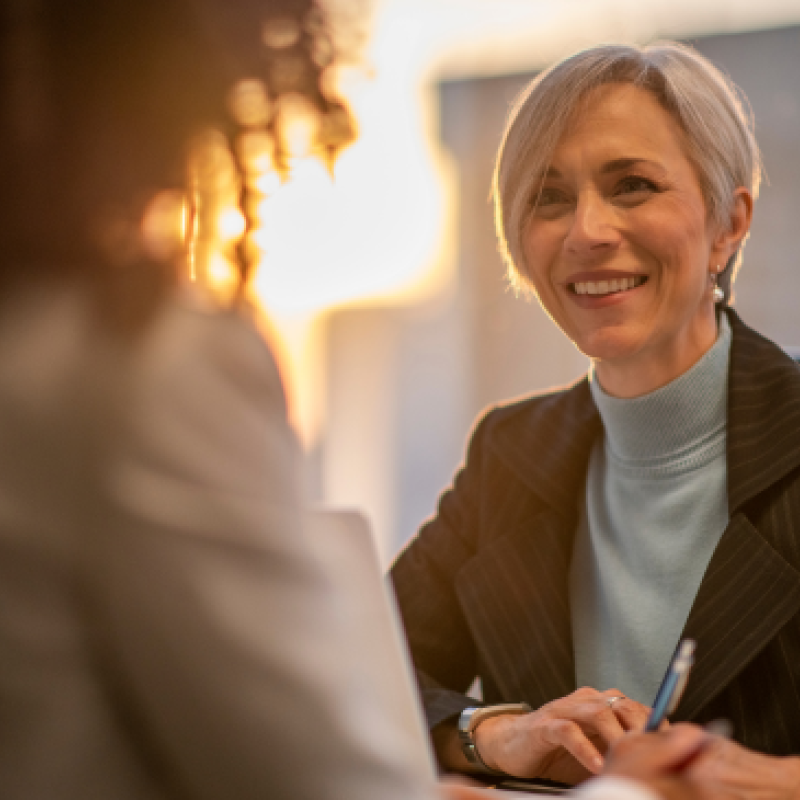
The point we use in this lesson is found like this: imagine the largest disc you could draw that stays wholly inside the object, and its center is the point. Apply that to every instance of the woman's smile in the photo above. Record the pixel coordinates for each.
(606, 287)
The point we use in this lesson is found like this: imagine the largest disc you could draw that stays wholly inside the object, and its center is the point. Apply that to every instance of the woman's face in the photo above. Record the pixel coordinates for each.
(620, 245)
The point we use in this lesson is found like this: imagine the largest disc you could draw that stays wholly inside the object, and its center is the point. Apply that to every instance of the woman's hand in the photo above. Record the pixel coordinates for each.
(658, 760)
(564, 740)
(726, 770)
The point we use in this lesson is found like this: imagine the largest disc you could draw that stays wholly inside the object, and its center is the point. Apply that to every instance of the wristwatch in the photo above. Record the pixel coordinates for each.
(472, 717)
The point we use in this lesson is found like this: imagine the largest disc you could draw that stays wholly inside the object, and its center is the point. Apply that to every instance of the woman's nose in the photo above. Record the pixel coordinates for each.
(592, 231)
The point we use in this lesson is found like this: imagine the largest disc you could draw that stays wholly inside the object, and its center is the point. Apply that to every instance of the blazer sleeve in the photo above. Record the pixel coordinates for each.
(213, 616)
(424, 577)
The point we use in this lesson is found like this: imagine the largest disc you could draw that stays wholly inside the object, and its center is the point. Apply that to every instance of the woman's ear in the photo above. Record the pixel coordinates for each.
(728, 240)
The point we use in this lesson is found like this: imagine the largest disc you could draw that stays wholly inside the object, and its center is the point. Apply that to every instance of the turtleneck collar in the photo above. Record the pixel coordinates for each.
(676, 424)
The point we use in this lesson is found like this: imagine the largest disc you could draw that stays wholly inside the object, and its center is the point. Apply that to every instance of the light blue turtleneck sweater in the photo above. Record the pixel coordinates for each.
(656, 505)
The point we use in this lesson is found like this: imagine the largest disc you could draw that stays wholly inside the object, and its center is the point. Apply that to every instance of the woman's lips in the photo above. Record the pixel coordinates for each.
(606, 286)
(606, 291)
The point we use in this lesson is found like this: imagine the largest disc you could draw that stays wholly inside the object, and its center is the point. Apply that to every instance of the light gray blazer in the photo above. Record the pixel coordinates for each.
(165, 630)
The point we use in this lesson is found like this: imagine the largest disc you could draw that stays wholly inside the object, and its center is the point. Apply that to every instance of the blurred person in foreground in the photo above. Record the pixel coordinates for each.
(165, 631)
(593, 527)
(165, 628)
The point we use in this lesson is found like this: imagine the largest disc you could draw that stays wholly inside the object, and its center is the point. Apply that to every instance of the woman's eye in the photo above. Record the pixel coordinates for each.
(635, 184)
(549, 197)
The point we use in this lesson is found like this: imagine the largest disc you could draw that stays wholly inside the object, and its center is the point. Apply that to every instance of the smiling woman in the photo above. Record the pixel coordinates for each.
(593, 527)
(618, 245)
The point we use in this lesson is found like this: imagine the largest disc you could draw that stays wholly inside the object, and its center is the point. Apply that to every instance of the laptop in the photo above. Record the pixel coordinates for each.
(344, 543)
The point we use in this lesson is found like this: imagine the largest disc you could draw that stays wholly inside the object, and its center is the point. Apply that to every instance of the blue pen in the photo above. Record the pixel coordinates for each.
(671, 690)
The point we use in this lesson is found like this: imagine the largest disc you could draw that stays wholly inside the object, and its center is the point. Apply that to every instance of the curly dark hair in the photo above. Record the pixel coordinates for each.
(98, 100)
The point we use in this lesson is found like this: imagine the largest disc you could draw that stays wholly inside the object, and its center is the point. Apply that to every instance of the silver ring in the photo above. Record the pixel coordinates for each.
(612, 700)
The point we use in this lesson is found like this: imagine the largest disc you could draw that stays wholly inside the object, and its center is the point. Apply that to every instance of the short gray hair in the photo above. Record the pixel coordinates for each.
(710, 109)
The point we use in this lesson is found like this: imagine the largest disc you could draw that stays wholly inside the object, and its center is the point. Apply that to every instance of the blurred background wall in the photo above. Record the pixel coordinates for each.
(386, 384)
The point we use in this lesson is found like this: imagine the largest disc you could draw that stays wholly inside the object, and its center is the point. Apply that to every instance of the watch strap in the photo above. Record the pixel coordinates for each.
(472, 717)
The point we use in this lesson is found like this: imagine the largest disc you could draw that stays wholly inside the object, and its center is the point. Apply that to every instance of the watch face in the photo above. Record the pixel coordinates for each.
(467, 721)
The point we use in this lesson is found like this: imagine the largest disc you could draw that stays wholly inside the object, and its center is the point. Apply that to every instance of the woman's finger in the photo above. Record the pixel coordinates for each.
(632, 715)
(648, 755)
(592, 710)
(599, 718)
(569, 735)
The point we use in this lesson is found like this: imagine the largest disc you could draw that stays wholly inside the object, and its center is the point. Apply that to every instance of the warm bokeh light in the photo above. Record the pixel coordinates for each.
(249, 103)
(231, 224)
(164, 225)
(299, 125)
(281, 32)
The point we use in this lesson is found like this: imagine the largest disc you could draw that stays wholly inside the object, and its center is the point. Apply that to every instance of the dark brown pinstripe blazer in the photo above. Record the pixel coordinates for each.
(483, 587)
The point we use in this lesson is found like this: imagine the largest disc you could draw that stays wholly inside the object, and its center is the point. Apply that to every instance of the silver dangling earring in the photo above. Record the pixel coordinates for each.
(717, 292)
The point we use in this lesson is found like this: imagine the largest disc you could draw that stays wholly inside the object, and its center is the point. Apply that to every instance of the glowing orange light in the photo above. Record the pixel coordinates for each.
(268, 183)
(248, 103)
(231, 224)
(163, 225)
(255, 152)
(281, 32)
(299, 122)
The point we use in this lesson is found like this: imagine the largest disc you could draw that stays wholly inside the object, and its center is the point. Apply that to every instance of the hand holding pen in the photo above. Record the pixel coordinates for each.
(662, 761)
(674, 683)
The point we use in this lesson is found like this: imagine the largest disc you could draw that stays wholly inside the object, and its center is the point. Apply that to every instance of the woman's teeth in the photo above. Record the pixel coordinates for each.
(608, 287)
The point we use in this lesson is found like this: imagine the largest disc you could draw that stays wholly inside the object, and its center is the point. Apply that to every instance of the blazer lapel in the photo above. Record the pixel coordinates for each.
(748, 594)
(763, 414)
(516, 588)
(749, 590)
(548, 449)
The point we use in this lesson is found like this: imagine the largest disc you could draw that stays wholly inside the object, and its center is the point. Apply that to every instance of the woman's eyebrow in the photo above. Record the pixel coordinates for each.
(620, 164)
(616, 165)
